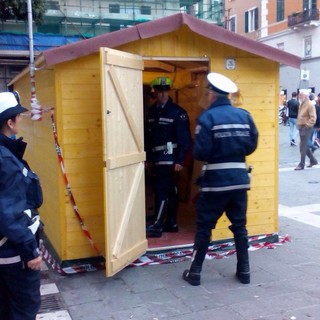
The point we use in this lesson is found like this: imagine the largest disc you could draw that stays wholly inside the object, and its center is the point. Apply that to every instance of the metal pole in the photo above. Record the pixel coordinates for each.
(36, 110)
(30, 28)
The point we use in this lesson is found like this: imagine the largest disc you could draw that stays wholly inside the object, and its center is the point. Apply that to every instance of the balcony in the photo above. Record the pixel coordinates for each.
(304, 19)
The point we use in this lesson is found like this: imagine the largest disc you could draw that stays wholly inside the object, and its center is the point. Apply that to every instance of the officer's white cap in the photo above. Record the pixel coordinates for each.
(9, 106)
(221, 84)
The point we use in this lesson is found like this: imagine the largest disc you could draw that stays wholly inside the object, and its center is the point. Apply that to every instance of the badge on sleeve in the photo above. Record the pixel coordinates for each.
(198, 128)
(184, 117)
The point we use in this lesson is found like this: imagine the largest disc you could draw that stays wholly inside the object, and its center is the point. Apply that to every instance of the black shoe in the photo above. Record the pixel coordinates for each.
(312, 164)
(192, 278)
(170, 228)
(243, 277)
(293, 143)
(154, 231)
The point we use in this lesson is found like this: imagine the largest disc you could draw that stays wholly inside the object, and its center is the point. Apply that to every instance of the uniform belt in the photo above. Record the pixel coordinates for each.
(159, 163)
(10, 260)
(224, 165)
(164, 147)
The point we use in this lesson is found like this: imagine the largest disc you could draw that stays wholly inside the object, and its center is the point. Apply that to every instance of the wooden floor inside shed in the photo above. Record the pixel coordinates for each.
(185, 236)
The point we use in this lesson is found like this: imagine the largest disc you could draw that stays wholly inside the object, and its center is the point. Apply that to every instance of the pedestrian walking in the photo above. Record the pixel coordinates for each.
(306, 120)
(293, 107)
(224, 136)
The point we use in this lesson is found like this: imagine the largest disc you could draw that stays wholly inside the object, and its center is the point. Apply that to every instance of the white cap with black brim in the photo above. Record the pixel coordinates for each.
(9, 106)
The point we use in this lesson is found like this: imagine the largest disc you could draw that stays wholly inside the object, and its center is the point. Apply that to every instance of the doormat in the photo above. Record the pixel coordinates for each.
(215, 250)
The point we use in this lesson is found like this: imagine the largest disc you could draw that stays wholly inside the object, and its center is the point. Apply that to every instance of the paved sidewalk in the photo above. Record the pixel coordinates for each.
(285, 285)
(285, 281)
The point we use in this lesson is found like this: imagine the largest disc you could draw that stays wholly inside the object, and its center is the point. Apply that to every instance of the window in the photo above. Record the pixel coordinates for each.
(251, 20)
(280, 10)
(232, 24)
(114, 8)
(306, 4)
(308, 47)
(145, 10)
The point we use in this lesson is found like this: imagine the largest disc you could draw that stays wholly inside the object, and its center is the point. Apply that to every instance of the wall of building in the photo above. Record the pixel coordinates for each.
(238, 8)
(295, 42)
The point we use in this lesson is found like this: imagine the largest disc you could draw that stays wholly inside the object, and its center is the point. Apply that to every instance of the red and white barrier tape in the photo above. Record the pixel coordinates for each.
(68, 187)
(36, 109)
(215, 251)
(70, 270)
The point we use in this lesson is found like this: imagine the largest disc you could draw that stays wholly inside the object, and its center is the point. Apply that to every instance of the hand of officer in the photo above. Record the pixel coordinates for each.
(178, 167)
(35, 264)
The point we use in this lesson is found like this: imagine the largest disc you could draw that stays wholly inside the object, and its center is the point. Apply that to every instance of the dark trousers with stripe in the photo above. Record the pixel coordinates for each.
(210, 207)
(165, 191)
(19, 293)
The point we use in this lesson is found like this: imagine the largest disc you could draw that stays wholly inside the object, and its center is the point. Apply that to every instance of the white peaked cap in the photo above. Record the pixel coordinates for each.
(221, 84)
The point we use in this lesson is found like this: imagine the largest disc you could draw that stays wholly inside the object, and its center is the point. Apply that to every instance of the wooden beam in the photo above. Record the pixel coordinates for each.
(153, 64)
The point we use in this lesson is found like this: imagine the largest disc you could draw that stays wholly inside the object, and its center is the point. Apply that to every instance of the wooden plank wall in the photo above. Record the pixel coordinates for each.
(78, 92)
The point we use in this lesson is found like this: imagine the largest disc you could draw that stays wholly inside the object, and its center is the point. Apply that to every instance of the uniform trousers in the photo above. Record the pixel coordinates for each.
(165, 191)
(210, 206)
(19, 293)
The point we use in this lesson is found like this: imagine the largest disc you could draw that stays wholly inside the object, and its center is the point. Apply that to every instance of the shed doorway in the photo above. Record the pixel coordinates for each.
(189, 80)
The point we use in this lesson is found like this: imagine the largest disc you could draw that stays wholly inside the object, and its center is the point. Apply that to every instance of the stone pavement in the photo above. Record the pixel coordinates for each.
(285, 281)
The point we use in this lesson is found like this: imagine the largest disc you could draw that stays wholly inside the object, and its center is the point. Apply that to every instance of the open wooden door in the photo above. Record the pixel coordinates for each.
(123, 152)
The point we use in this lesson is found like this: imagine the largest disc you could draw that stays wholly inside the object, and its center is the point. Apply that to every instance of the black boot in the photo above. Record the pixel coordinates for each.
(193, 275)
(154, 230)
(199, 252)
(243, 267)
(170, 225)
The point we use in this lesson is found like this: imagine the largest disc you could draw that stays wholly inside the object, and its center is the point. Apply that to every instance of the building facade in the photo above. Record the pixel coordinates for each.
(292, 26)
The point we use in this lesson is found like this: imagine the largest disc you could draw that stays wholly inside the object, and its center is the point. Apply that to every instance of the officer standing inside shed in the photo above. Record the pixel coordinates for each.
(20, 195)
(224, 136)
(167, 141)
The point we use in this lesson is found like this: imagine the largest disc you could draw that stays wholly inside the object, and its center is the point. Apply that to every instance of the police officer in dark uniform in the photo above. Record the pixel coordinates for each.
(20, 195)
(224, 136)
(167, 142)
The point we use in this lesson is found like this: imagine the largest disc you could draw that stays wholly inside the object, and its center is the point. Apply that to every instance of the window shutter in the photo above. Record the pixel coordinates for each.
(256, 19)
(246, 22)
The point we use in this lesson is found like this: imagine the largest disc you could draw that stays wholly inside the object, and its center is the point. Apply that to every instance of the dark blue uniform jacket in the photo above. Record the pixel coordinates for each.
(167, 124)
(224, 136)
(19, 190)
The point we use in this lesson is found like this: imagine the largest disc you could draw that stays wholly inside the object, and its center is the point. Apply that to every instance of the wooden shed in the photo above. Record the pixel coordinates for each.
(96, 89)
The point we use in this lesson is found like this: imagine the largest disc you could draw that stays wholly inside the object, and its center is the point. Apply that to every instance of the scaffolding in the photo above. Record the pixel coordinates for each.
(69, 19)
(89, 18)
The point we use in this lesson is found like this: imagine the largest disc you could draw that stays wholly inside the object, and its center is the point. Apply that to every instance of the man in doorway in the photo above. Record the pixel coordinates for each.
(167, 142)
(224, 136)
